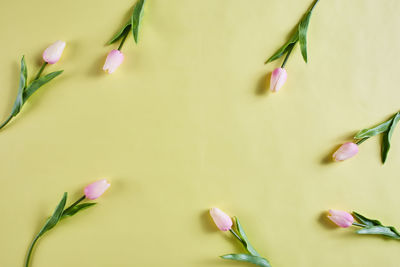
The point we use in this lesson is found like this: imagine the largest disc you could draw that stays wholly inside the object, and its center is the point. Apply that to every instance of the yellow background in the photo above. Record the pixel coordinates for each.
(186, 124)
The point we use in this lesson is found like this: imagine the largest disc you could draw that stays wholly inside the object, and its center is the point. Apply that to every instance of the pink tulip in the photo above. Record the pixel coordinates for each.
(345, 151)
(53, 53)
(341, 218)
(278, 79)
(114, 59)
(221, 219)
(96, 189)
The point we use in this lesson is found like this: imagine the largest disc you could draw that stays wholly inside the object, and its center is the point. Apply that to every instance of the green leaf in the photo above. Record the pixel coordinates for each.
(285, 48)
(375, 227)
(36, 84)
(381, 128)
(303, 27)
(136, 18)
(248, 258)
(365, 220)
(124, 30)
(388, 135)
(55, 218)
(243, 236)
(76, 209)
(23, 77)
(19, 102)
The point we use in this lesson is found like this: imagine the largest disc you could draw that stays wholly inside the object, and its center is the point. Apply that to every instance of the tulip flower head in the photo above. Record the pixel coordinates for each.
(341, 218)
(96, 189)
(53, 53)
(221, 219)
(114, 59)
(278, 79)
(345, 151)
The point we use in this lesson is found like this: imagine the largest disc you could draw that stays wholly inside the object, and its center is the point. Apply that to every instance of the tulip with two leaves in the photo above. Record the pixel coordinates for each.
(50, 56)
(350, 149)
(115, 57)
(279, 75)
(91, 192)
(225, 223)
(368, 226)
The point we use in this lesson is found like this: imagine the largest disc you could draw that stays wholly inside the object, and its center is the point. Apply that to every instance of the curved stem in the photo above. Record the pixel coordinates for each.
(6, 121)
(288, 54)
(40, 71)
(123, 41)
(28, 257)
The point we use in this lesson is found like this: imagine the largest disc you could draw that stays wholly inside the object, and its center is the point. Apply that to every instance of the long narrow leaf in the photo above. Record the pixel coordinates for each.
(246, 241)
(248, 258)
(303, 28)
(388, 135)
(77, 209)
(126, 28)
(375, 227)
(22, 84)
(284, 49)
(55, 218)
(19, 101)
(36, 84)
(370, 132)
(136, 19)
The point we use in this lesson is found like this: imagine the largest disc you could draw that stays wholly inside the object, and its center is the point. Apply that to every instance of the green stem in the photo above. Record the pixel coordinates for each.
(6, 121)
(74, 204)
(123, 41)
(361, 141)
(359, 225)
(28, 257)
(41, 70)
(287, 55)
(236, 235)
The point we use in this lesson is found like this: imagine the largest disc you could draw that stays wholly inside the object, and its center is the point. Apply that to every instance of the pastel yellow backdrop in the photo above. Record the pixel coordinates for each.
(185, 124)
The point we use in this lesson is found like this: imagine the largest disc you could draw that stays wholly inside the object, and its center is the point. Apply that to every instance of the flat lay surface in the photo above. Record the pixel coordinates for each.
(186, 123)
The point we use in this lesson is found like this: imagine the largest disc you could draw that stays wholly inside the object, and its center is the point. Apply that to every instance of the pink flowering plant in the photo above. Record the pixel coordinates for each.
(279, 75)
(91, 192)
(225, 223)
(350, 149)
(50, 56)
(116, 57)
(344, 219)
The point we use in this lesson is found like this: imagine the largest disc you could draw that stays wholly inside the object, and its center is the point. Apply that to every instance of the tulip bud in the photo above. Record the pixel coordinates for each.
(114, 59)
(278, 79)
(341, 218)
(221, 219)
(53, 53)
(96, 189)
(345, 151)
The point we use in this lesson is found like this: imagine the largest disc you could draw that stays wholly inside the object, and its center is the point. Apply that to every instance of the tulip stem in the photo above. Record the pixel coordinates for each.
(41, 70)
(74, 204)
(359, 225)
(6, 121)
(361, 141)
(236, 235)
(123, 41)
(287, 55)
(28, 257)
